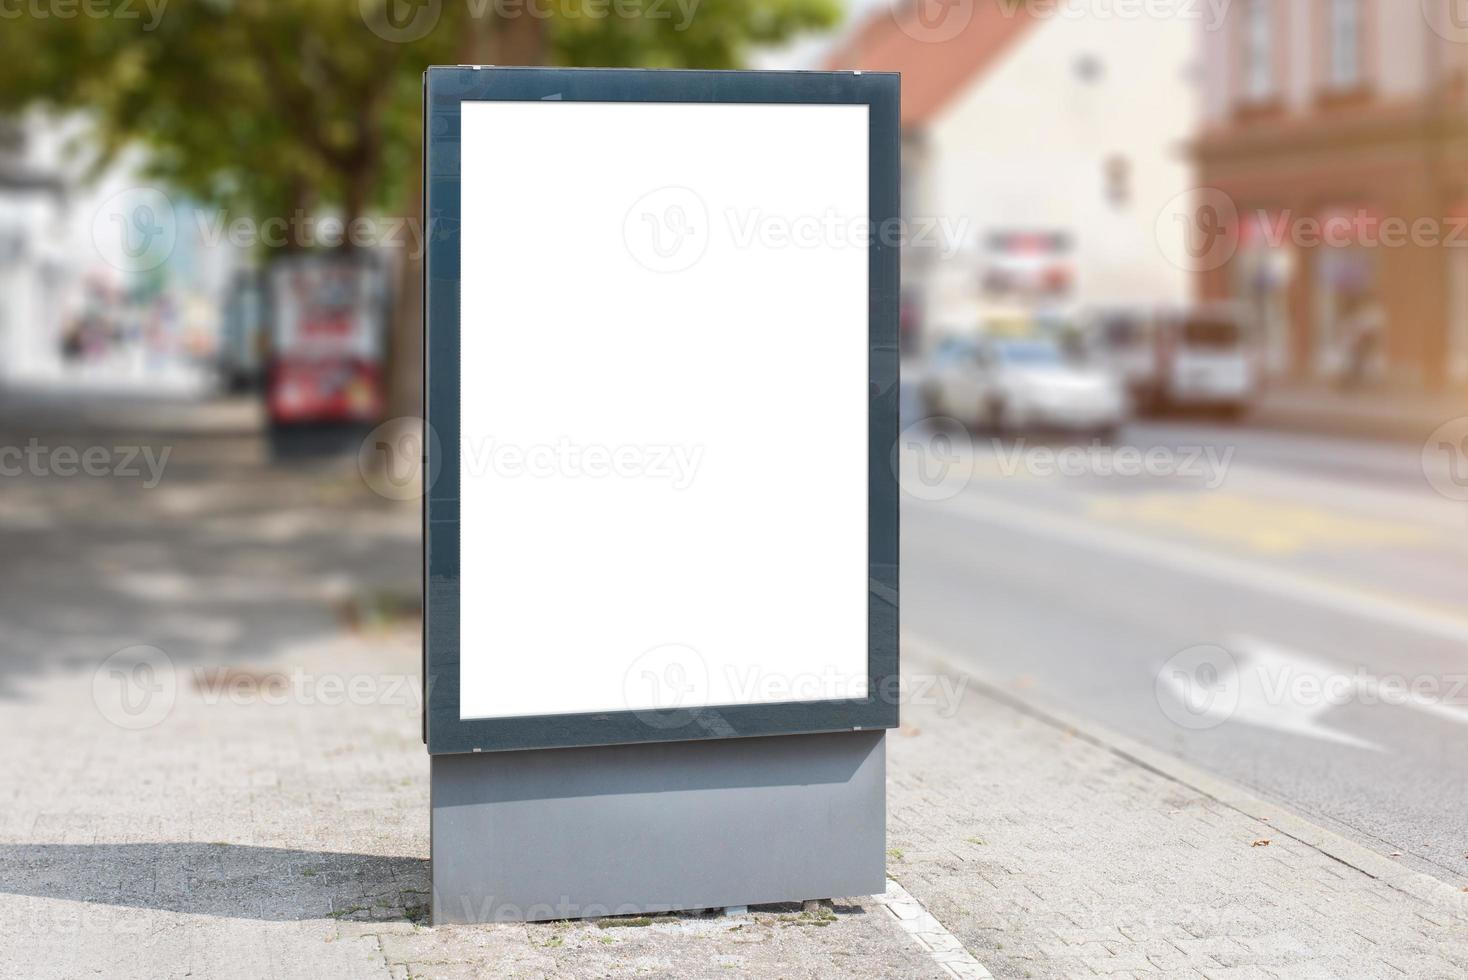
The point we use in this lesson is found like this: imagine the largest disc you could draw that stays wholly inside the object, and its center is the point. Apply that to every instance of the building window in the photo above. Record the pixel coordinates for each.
(1088, 69)
(1258, 50)
(1343, 39)
(1118, 181)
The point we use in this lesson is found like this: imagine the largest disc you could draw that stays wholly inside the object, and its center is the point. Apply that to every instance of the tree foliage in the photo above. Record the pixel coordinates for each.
(270, 106)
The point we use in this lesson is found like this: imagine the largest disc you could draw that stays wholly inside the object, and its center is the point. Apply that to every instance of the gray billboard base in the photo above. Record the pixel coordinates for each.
(657, 827)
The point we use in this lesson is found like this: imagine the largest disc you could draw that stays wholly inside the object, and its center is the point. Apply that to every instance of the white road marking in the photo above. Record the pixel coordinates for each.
(1281, 674)
(941, 944)
(1273, 687)
(1196, 561)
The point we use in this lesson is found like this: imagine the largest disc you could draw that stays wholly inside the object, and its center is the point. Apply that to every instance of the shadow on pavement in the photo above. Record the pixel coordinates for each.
(227, 880)
(218, 557)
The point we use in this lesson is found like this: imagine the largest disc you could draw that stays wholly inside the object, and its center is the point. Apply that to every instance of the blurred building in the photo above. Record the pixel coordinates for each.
(32, 201)
(1044, 146)
(76, 308)
(1337, 131)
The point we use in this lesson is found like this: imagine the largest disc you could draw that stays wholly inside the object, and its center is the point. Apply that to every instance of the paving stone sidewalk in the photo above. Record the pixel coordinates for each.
(252, 835)
(1049, 855)
(264, 813)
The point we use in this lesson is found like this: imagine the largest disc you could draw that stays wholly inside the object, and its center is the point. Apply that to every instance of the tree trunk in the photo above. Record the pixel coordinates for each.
(521, 39)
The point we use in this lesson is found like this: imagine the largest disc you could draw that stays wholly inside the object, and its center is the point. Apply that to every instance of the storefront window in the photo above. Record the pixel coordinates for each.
(1262, 274)
(1258, 50)
(1350, 321)
(1344, 40)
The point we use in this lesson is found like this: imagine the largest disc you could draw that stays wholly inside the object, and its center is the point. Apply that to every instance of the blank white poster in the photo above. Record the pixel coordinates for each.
(664, 406)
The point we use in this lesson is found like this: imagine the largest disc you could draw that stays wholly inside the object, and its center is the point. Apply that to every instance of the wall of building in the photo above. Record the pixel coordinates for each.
(1026, 148)
(1405, 53)
(1391, 151)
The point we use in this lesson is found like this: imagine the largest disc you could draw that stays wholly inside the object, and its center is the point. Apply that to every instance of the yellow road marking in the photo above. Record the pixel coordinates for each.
(1257, 523)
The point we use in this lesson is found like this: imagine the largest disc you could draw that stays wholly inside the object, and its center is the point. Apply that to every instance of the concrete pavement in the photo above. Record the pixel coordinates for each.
(274, 823)
(210, 757)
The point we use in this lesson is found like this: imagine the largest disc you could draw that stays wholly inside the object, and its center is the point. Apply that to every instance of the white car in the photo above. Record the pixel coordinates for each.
(1017, 385)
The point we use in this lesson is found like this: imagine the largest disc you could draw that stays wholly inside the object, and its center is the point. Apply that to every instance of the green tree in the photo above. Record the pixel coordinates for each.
(271, 108)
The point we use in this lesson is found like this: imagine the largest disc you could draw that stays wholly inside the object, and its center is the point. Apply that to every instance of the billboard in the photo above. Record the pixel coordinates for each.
(327, 339)
(662, 375)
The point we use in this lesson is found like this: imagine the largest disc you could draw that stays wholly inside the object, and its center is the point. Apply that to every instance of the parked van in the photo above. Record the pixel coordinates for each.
(1203, 357)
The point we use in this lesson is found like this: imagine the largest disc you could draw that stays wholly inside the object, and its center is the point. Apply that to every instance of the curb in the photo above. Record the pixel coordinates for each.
(931, 935)
(1407, 427)
(1415, 884)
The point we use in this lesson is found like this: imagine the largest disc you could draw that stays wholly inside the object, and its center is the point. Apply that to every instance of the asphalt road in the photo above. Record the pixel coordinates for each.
(1283, 610)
